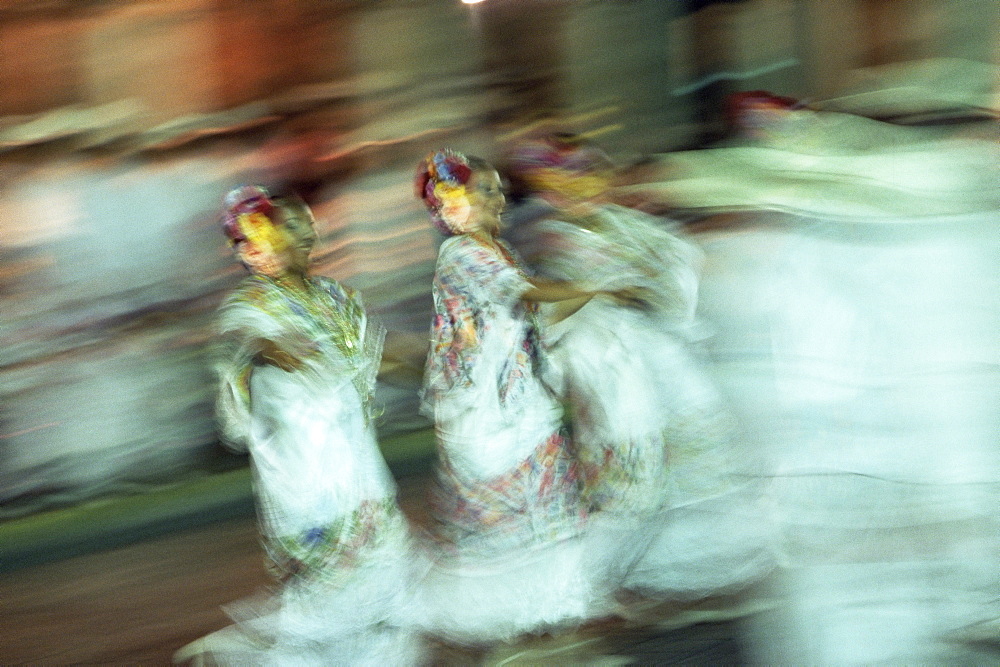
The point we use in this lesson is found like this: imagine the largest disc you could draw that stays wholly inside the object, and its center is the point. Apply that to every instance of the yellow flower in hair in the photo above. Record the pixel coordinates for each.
(455, 208)
(548, 179)
(586, 187)
(262, 233)
(574, 186)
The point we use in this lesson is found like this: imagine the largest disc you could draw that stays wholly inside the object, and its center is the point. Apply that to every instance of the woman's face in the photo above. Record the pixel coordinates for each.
(299, 227)
(485, 193)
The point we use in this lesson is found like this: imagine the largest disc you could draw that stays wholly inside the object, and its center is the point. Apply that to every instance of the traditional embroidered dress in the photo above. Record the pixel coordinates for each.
(326, 501)
(603, 353)
(649, 427)
(507, 507)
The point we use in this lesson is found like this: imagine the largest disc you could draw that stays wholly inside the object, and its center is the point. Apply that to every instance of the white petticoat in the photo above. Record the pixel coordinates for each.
(326, 503)
(675, 516)
(359, 623)
(484, 600)
(508, 556)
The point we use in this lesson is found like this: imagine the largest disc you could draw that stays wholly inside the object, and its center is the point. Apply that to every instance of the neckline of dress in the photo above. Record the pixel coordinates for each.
(496, 244)
(308, 289)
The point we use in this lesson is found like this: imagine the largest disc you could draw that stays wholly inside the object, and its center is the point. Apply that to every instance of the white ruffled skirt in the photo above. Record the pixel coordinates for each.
(506, 548)
(333, 534)
(673, 516)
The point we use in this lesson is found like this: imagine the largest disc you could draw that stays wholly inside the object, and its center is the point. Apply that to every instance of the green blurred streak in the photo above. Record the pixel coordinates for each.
(115, 521)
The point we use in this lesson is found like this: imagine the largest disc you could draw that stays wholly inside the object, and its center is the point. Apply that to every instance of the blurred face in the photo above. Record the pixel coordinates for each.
(263, 258)
(485, 193)
(266, 247)
(301, 233)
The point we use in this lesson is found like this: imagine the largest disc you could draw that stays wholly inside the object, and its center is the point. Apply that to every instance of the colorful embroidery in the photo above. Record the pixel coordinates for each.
(535, 503)
(327, 314)
(625, 477)
(644, 475)
(332, 553)
(471, 285)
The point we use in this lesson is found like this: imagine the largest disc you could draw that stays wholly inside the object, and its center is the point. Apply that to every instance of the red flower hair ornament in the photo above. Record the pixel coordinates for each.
(244, 200)
(440, 184)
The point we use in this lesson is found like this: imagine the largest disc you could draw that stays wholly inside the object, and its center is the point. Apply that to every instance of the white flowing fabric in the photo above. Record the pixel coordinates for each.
(671, 516)
(326, 500)
(857, 337)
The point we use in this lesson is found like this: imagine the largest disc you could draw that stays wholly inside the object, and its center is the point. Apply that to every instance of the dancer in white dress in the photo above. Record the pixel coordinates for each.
(857, 316)
(507, 508)
(649, 426)
(298, 362)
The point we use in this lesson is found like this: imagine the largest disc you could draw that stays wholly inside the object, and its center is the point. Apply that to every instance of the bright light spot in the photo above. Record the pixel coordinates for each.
(471, 2)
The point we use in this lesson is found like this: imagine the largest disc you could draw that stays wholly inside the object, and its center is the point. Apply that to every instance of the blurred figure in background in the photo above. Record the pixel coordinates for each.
(857, 319)
(650, 429)
(298, 359)
(507, 506)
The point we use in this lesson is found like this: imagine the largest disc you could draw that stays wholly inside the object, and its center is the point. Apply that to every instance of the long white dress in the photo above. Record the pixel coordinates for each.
(326, 502)
(508, 518)
(671, 517)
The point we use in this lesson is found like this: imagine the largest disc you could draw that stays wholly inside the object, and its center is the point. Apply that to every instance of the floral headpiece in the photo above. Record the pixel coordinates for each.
(440, 183)
(249, 219)
(561, 163)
